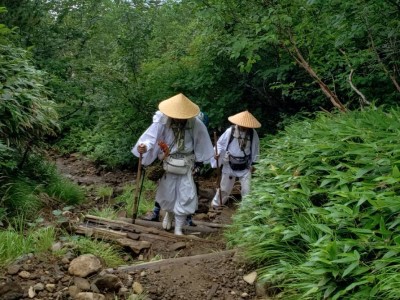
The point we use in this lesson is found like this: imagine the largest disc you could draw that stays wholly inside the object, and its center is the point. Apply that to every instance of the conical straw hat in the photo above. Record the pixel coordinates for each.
(245, 119)
(179, 107)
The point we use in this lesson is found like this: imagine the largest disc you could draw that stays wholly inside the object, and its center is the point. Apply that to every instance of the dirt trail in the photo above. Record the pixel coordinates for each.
(188, 269)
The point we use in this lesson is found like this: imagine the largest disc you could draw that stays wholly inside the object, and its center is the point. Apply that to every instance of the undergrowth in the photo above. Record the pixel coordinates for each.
(322, 219)
(124, 202)
(109, 253)
(15, 241)
(34, 187)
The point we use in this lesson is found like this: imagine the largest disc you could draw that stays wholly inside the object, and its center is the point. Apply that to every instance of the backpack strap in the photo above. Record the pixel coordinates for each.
(231, 139)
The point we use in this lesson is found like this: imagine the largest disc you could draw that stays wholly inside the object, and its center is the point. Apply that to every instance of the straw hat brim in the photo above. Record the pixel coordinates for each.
(245, 119)
(179, 107)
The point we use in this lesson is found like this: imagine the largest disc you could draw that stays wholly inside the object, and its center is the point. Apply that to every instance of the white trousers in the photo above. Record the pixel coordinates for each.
(227, 183)
(177, 194)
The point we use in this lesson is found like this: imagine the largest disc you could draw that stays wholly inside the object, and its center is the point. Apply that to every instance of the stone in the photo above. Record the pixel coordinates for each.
(108, 283)
(250, 278)
(50, 287)
(84, 265)
(56, 247)
(82, 283)
(31, 292)
(14, 269)
(73, 290)
(177, 246)
(137, 288)
(89, 296)
(38, 287)
(11, 291)
(24, 274)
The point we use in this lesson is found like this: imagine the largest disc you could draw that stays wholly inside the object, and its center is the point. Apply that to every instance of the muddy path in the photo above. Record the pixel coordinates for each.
(201, 267)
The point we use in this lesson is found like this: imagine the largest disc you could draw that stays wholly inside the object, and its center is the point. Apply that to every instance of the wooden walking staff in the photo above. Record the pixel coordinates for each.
(137, 190)
(219, 171)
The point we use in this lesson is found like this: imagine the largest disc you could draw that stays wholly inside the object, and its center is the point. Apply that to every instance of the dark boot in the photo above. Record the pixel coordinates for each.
(189, 221)
(154, 215)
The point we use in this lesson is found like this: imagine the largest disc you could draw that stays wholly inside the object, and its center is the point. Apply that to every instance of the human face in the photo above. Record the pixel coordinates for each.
(179, 123)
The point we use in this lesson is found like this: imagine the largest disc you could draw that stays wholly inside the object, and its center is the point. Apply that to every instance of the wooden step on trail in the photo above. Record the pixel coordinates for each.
(142, 226)
(171, 261)
(204, 227)
(139, 236)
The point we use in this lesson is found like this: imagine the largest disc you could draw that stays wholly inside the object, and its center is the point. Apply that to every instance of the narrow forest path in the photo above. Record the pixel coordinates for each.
(200, 272)
(197, 266)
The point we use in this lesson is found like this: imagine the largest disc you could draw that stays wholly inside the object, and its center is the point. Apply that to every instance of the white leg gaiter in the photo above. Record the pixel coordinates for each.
(179, 222)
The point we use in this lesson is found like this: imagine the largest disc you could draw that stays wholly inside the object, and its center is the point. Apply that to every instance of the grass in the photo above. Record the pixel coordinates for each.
(104, 192)
(124, 202)
(110, 254)
(321, 220)
(146, 201)
(64, 191)
(14, 242)
(107, 212)
(22, 198)
(35, 186)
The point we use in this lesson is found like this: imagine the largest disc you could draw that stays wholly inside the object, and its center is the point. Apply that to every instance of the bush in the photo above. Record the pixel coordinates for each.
(14, 243)
(322, 220)
(36, 186)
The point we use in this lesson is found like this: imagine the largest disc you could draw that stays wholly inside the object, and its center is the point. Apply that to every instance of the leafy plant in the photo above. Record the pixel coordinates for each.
(111, 254)
(107, 212)
(146, 202)
(35, 186)
(15, 242)
(104, 192)
(59, 214)
(322, 218)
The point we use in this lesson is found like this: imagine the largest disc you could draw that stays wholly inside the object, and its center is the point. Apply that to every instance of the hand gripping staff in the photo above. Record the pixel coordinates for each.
(137, 190)
(218, 169)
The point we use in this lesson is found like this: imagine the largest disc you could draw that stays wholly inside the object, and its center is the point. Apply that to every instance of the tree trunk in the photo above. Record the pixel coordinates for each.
(325, 89)
(387, 72)
(294, 51)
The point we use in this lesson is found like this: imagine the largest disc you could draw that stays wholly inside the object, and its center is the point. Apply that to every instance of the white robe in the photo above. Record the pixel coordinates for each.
(176, 193)
(229, 176)
(234, 150)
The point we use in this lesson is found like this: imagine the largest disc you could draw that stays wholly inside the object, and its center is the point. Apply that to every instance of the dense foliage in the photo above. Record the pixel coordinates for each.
(322, 220)
(27, 118)
(111, 62)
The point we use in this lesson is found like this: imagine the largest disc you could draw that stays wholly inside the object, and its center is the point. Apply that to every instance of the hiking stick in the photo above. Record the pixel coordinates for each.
(137, 190)
(219, 170)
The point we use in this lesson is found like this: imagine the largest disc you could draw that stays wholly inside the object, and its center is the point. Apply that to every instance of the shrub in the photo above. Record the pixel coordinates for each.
(110, 254)
(322, 220)
(37, 185)
(14, 243)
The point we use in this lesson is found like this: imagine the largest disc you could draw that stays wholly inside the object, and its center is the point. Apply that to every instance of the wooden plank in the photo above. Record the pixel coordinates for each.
(125, 226)
(202, 229)
(171, 261)
(135, 246)
(100, 232)
(152, 237)
(118, 237)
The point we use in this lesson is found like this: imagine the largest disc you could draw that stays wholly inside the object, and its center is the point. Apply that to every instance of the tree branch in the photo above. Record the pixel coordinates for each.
(363, 99)
(387, 72)
(325, 89)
